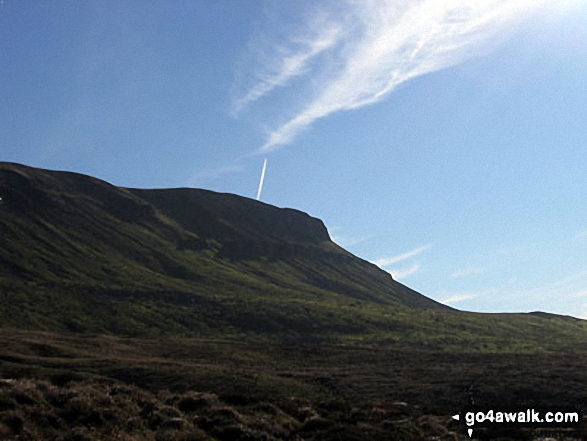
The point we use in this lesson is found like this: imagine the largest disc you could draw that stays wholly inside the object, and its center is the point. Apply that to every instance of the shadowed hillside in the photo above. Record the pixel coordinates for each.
(80, 255)
(227, 295)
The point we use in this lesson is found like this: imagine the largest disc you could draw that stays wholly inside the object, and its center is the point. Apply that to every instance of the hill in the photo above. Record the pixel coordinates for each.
(80, 255)
(145, 300)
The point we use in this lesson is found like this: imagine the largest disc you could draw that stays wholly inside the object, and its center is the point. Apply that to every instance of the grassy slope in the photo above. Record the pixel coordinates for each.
(244, 299)
(80, 255)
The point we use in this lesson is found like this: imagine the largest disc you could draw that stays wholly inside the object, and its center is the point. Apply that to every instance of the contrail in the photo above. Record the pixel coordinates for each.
(262, 179)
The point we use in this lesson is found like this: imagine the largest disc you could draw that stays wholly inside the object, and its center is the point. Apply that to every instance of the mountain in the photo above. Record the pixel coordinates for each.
(80, 255)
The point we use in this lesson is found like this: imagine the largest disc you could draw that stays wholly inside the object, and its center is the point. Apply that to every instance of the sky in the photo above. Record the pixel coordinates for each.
(445, 141)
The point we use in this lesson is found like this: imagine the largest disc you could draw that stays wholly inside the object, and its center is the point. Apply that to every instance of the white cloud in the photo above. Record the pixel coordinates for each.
(466, 272)
(385, 44)
(580, 237)
(559, 296)
(346, 241)
(457, 298)
(290, 65)
(404, 272)
(400, 257)
(214, 173)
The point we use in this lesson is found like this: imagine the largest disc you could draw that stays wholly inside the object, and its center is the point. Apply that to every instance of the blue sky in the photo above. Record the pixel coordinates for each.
(444, 141)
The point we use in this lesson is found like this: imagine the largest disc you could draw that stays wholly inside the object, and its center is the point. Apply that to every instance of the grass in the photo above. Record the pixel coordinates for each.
(437, 380)
(80, 255)
(269, 392)
(182, 294)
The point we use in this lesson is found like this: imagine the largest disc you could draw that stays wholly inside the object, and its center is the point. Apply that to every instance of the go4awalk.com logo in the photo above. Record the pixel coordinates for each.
(518, 418)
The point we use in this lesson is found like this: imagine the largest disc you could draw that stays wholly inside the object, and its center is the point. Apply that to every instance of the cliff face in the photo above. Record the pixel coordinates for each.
(243, 228)
(224, 218)
(230, 217)
(76, 241)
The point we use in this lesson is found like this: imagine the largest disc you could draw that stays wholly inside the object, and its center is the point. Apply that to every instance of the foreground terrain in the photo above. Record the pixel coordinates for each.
(270, 392)
(92, 410)
(188, 314)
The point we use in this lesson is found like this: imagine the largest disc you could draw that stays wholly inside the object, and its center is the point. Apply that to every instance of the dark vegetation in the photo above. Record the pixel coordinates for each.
(97, 410)
(181, 294)
(97, 387)
(80, 255)
(440, 382)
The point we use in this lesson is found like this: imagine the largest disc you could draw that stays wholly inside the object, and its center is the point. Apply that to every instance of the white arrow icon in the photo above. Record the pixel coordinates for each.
(457, 417)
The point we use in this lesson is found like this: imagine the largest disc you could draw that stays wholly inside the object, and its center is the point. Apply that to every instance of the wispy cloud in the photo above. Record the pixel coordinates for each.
(466, 272)
(564, 295)
(400, 257)
(580, 237)
(214, 173)
(566, 286)
(346, 241)
(402, 273)
(457, 298)
(385, 44)
(579, 294)
(289, 65)
(558, 296)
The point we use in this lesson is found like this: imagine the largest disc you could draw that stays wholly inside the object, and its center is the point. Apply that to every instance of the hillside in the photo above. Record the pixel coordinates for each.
(80, 255)
(144, 300)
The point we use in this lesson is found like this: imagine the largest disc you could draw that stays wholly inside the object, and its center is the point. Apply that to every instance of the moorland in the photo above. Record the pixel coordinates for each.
(201, 315)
